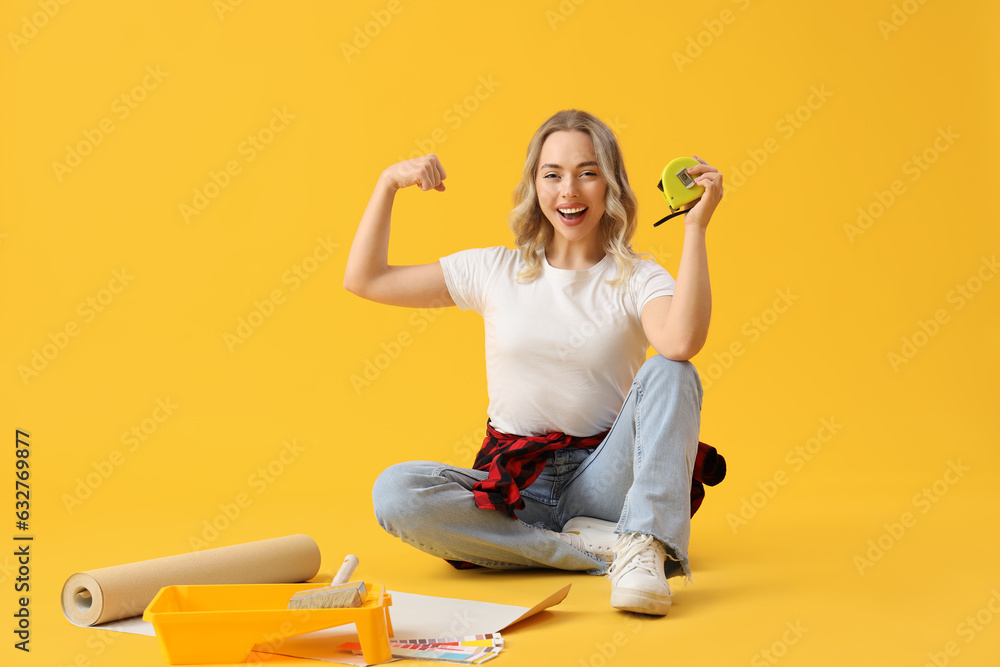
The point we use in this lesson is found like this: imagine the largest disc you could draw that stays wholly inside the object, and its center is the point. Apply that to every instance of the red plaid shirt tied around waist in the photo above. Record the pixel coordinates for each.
(514, 462)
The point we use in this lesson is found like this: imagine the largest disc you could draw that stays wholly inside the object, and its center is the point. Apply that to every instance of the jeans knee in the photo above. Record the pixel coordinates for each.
(390, 495)
(677, 370)
(658, 372)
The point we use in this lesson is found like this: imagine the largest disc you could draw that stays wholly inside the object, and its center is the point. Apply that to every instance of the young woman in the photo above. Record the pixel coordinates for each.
(590, 449)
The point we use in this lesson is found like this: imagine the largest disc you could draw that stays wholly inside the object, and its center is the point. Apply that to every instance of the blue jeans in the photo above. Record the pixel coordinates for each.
(639, 476)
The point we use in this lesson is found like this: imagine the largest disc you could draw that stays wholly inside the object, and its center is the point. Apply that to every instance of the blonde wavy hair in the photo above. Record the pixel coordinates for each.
(533, 231)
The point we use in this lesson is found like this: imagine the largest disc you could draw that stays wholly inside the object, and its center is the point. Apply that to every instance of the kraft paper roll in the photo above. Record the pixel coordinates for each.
(122, 591)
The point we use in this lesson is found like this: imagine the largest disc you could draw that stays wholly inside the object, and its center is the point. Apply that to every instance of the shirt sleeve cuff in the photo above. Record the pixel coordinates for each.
(451, 281)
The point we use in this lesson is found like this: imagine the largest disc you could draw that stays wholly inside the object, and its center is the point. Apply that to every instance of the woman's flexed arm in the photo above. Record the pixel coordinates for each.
(368, 272)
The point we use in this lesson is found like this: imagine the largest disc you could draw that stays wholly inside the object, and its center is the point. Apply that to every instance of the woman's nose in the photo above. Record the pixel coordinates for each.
(569, 188)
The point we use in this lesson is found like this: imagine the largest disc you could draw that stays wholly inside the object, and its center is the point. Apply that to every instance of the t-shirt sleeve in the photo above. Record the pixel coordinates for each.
(650, 280)
(468, 275)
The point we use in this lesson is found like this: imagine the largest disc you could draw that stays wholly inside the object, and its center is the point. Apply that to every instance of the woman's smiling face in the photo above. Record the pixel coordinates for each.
(569, 179)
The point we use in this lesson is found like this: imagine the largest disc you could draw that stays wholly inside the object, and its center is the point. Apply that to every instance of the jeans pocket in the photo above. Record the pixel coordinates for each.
(461, 476)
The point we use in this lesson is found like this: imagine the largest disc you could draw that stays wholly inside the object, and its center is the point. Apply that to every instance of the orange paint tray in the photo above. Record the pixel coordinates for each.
(221, 624)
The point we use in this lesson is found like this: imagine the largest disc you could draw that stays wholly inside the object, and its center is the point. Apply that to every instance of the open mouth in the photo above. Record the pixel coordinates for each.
(572, 214)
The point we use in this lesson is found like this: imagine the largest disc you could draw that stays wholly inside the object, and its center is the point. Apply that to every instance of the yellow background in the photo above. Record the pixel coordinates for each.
(889, 92)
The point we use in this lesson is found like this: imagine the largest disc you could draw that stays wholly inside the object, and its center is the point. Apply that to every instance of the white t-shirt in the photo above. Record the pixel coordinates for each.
(562, 350)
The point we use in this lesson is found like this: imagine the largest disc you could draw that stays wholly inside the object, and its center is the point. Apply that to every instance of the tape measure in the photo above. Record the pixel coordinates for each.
(678, 187)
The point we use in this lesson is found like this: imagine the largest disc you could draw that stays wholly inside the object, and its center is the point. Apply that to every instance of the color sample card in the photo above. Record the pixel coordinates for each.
(471, 650)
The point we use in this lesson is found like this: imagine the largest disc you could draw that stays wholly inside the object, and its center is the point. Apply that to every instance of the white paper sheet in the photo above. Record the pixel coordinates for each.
(133, 626)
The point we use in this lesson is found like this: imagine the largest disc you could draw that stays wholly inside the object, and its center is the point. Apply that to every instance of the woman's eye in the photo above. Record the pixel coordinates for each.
(549, 174)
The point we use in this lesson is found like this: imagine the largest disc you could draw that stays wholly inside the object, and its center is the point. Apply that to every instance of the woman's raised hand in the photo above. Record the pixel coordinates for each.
(708, 176)
(424, 171)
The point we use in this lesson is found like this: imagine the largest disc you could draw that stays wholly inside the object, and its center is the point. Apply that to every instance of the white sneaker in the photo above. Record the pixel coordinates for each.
(595, 536)
(638, 582)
